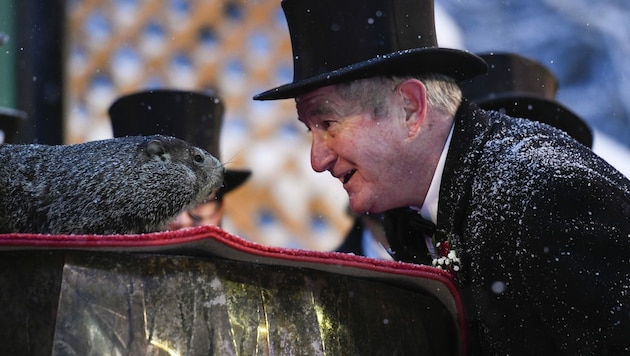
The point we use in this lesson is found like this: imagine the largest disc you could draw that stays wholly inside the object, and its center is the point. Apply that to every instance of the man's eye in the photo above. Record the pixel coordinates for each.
(322, 125)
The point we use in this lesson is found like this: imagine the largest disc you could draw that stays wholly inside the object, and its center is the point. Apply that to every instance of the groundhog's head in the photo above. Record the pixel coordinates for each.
(172, 153)
(185, 173)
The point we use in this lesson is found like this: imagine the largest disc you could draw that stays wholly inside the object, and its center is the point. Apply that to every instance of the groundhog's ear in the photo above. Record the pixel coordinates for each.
(155, 149)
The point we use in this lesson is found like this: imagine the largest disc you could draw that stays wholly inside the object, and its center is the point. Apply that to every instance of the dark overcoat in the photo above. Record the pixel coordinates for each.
(542, 227)
(353, 241)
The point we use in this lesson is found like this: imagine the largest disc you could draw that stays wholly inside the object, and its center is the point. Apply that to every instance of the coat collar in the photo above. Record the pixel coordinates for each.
(469, 135)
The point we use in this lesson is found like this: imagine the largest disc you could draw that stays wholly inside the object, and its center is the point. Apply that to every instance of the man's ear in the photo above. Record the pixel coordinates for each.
(414, 96)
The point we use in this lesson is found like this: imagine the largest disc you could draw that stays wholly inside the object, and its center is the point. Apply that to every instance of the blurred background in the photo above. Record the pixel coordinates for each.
(63, 62)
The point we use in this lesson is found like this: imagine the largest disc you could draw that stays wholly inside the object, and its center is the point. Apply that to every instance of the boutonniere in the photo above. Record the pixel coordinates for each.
(447, 257)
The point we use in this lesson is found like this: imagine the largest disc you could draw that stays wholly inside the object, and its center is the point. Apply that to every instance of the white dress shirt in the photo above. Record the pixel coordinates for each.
(429, 208)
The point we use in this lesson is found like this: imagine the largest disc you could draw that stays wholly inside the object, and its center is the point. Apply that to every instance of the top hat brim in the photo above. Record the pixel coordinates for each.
(458, 64)
(233, 179)
(542, 110)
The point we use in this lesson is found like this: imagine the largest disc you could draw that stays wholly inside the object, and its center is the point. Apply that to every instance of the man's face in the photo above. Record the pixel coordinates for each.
(209, 212)
(357, 148)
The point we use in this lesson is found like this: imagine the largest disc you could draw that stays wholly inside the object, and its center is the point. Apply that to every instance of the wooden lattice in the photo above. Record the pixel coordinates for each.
(238, 47)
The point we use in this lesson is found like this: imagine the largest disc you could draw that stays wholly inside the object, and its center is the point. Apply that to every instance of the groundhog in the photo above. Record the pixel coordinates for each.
(125, 185)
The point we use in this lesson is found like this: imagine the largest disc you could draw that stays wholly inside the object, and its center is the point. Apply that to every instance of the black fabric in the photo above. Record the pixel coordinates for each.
(542, 227)
(352, 243)
(405, 230)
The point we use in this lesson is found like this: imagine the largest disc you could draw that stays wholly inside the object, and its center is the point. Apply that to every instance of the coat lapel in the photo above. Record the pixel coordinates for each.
(469, 135)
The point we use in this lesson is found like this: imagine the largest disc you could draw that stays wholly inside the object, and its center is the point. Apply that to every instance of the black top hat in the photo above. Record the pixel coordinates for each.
(194, 117)
(522, 87)
(341, 40)
(10, 122)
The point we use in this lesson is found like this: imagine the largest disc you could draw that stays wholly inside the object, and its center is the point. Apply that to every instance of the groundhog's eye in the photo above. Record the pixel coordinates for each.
(198, 158)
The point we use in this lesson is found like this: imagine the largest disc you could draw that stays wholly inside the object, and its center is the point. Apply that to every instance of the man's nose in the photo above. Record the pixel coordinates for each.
(322, 157)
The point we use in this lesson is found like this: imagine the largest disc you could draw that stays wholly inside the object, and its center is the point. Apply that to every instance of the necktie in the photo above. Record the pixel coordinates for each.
(406, 231)
(420, 224)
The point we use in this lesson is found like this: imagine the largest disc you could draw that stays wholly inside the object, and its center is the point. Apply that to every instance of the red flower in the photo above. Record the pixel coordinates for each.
(444, 247)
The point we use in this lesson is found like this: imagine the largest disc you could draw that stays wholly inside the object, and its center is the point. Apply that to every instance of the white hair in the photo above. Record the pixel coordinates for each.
(372, 94)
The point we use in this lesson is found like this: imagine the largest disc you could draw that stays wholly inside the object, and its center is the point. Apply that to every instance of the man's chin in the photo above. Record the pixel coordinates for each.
(356, 208)
(360, 207)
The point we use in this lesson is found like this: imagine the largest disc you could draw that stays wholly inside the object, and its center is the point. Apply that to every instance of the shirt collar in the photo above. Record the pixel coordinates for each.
(429, 208)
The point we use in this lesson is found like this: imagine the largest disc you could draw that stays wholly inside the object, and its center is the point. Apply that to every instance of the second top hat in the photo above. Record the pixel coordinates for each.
(339, 40)
(194, 117)
(522, 87)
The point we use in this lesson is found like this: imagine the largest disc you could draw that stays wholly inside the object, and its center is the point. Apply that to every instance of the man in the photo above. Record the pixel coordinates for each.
(532, 224)
(514, 85)
(195, 117)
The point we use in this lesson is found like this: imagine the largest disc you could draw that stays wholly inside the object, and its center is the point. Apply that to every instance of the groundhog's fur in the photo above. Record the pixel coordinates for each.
(117, 186)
